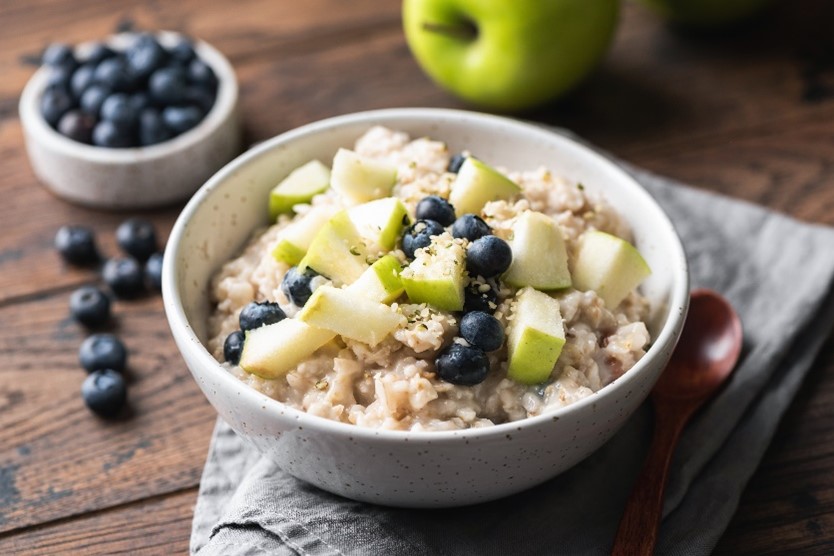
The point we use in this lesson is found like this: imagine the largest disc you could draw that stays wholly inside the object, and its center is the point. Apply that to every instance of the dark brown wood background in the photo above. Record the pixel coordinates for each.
(748, 113)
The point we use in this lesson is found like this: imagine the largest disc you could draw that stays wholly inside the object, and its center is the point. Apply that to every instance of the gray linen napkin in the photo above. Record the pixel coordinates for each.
(777, 272)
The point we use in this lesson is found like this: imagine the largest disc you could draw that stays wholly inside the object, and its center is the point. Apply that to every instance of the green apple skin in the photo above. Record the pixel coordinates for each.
(295, 239)
(535, 338)
(477, 184)
(525, 52)
(381, 282)
(705, 13)
(275, 349)
(300, 186)
(381, 221)
(437, 275)
(337, 252)
(609, 265)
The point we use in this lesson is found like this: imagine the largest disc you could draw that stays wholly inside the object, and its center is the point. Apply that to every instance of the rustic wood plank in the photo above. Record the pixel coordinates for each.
(158, 525)
(57, 459)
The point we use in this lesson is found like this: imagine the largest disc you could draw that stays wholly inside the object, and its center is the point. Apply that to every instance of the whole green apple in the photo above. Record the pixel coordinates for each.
(705, 13)
(508, 55)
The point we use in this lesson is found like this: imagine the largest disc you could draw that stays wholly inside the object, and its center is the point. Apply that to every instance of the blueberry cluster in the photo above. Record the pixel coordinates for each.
(104, 356)
(141, 96)
(465, 360)
(296, 286)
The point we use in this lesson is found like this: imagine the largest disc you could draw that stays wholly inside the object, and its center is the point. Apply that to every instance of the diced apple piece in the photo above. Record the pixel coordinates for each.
(349, 315)
(609, 265)
(381, 282)
(303, 183)
(359, 179)
(540, 258)
(436, 275)
(477, 184)
(273, 350)
(295, 239)
(380, 221)
(337, 252)
(535, 338)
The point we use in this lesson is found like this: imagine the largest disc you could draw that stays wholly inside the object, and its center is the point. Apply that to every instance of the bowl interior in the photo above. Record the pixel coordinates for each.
(223, 214)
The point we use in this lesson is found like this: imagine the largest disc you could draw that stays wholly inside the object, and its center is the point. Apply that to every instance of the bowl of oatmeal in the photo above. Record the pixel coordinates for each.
(423, 307)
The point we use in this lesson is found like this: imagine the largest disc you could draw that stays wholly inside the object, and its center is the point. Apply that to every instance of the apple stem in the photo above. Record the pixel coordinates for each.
(465, 31)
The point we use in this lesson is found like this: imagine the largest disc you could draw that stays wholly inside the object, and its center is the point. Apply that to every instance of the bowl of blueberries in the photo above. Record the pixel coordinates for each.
(138, 120)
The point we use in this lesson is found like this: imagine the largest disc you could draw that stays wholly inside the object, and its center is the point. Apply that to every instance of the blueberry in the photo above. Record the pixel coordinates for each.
(98, 52)
(481, 297)
(167, 85)
(153, 271)
(437, 209)
(145, 56)
(139, 101)
(488, 256)
(180, 119)
(82, 78)
(255, 315)
(471, 227)
(104, 392)
(59, 55)
(90, 306)
(455, 164)
(464, 365)
(77, 126)
(55, 102)
(482, 330)
(419, 235)
(93, 98)
(182, 52)
(114, 74)
(296, 285)
(60, 77)
(137, 238)
(233, 347)
(102, 351)
(77, 245)
(201, 73)
(201, 97)
(109, 134)
(124, 277)
(118, 109)
(152, 129)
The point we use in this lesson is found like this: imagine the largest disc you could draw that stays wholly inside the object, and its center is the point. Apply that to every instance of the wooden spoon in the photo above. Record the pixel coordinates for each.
(705, 356)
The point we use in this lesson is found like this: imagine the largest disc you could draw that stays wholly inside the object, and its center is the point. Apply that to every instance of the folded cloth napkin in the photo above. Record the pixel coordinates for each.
(777, 272)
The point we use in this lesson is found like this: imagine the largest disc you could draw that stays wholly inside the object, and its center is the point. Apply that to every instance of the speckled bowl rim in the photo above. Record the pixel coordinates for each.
(206, 363)
(223, 108)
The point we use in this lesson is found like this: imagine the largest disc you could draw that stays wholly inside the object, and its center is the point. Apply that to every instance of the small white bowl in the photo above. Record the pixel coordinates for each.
(139, 177)
(414, 469)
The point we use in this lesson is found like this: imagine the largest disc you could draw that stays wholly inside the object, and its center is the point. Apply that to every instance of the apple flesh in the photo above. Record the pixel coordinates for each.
(273, 350)
(349, 315)
(437, 275)
(705, 13)
(477, 184)
(536, 337)
(359, 179)
(303, 183)
(337, 252)
(380, 221)
(381, 282)
(509, 56)
(295, 239)
(540, 258)
(609, 265)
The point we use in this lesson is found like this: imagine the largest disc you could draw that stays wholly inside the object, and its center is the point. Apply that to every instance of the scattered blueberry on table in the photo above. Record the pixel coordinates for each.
(124, 276)
(90, 306)
(105, 392)
(137, 238)
(153, 271)
(77, 245)
(113, 90)
(102, 351)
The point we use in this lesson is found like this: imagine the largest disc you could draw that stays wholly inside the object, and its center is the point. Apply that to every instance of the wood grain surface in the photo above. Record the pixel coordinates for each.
(748, 113)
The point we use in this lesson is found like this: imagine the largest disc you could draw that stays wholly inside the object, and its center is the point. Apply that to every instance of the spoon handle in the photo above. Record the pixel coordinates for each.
(637, 533)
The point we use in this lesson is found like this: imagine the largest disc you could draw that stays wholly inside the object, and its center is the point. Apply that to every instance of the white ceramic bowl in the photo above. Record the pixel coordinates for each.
(140, 177)
(411, 469)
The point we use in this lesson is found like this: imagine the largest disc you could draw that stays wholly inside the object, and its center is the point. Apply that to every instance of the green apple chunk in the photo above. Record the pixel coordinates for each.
(295, 239)
(381, 282)
(535, 338)
(273, 350)
(359, 179)
(437, 274)
(540, 258)
(609, 265)
(350, 315)
(303, 183)
(337, 252)
(477, 184)
(380, 221)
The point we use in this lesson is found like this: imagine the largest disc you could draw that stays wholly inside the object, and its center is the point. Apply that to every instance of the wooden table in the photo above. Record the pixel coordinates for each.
(749, 114)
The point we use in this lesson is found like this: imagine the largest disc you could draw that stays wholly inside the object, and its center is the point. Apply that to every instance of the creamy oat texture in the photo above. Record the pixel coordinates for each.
(393, 386)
